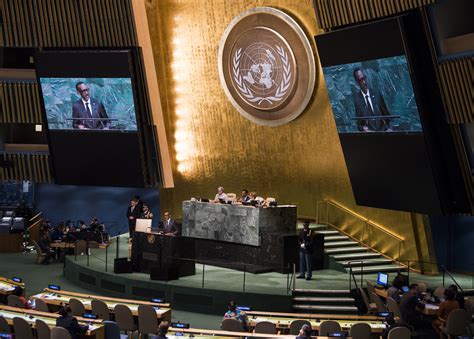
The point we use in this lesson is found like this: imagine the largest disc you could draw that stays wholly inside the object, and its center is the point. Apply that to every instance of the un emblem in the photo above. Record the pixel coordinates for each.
(151, 238)
(266, 66)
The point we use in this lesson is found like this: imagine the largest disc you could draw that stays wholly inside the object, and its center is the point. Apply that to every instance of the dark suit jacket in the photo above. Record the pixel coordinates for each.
(171, 228)
(408, 305)
(379, 108)
(97, 110)
(70, 323)
(136, 214)
(306, 238)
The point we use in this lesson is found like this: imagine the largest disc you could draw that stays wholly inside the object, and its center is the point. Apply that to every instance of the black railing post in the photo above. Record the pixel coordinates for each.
(87, 251)
(117, 247)
(362, 273)
(106, 257)
(350, 276)
(203, 269)
(75, 250)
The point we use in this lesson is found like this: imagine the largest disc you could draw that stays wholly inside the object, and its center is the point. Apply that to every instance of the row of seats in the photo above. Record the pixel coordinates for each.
(357, 331)
(147, 320)
(12, 225)
(23, 330)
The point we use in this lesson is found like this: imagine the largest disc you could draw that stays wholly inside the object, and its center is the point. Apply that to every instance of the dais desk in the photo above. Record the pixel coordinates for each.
(56, 298)
(95, 330)
(203, 333)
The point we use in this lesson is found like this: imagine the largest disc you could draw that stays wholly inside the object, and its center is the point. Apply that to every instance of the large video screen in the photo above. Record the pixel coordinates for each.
(378, 111)
(373, 96)
(101, 104)
(92, 108)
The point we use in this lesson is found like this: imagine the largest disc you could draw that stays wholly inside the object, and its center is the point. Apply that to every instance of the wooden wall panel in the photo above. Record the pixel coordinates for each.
(456, 78)
(35, 167)
(20, 102)
(67, 23)
(334, 13)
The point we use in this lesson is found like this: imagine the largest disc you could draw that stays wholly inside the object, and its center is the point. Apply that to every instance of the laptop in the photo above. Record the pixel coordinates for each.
(382, 279)
(204, 200)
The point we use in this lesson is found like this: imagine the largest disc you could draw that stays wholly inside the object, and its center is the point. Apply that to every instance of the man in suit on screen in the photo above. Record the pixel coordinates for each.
(87, 112)
(369, 103)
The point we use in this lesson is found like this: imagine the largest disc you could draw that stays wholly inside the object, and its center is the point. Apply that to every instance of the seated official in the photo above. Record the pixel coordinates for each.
(305, 332)
(82, 226)
(459, 297)
(43, 243)
(254, 197)
(163, 330)
(96, 226)
(58, 232)
(409, 309)
(168, 225)
(244, 196)
(446, 307)
(394, 290)
(67, 321)
(18, 291)
(220, 196)
(234, 313)
(146, 212)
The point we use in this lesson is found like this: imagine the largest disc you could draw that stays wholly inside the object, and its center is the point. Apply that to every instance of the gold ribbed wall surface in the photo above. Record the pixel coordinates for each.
(33, 167)
(67, 23)
(20, 102)
(212, 144)
(333, 13)
(456, 79)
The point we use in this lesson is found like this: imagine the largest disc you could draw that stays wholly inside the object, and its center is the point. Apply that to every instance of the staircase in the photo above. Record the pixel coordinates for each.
(323, 302)
(341, 250)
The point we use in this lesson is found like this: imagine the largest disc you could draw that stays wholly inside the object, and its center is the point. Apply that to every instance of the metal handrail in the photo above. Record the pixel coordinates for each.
(352, 275)
(444, 269)
(360, 217)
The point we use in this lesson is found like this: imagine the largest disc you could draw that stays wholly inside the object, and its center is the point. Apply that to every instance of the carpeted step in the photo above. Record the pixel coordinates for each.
(367, 262)
(333, 244)
(378, 268)
(335, 238)
(340, 250)
(324, 301)
(325, 309)
(356, 256)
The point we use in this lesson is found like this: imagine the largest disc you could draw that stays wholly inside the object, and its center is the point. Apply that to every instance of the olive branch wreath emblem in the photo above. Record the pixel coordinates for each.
(247, 92)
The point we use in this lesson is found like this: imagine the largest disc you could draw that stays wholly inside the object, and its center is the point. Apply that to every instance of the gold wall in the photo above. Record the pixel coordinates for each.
(212, 144)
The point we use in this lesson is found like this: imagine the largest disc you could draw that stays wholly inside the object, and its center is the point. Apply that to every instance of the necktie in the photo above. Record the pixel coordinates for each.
(88, 109)
(369, 107)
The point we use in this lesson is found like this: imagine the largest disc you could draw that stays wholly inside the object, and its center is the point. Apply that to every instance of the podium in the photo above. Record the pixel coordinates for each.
(163, 256)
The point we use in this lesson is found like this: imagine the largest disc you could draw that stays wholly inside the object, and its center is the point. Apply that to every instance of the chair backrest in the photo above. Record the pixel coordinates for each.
(124, 318)
(422, 287)
(439, 292)
(296, 325)
(399, 333)
(380, 305)
(328, 326)
(232, 325)
(42, 329)
(40, 305)
(4, 327)
(456, 322)
(15, 301)
(370, 290)
(112, 330)
(100, 309)
(265, 327)
(469, 305)
(360, 331)
(60, 333)
(22, 329)
(77, 307)
(147, 320)
(393, 307)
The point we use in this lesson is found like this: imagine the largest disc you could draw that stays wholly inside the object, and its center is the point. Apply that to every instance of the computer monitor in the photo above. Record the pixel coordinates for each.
(382, 279)
(405, 289)
(143, 225)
